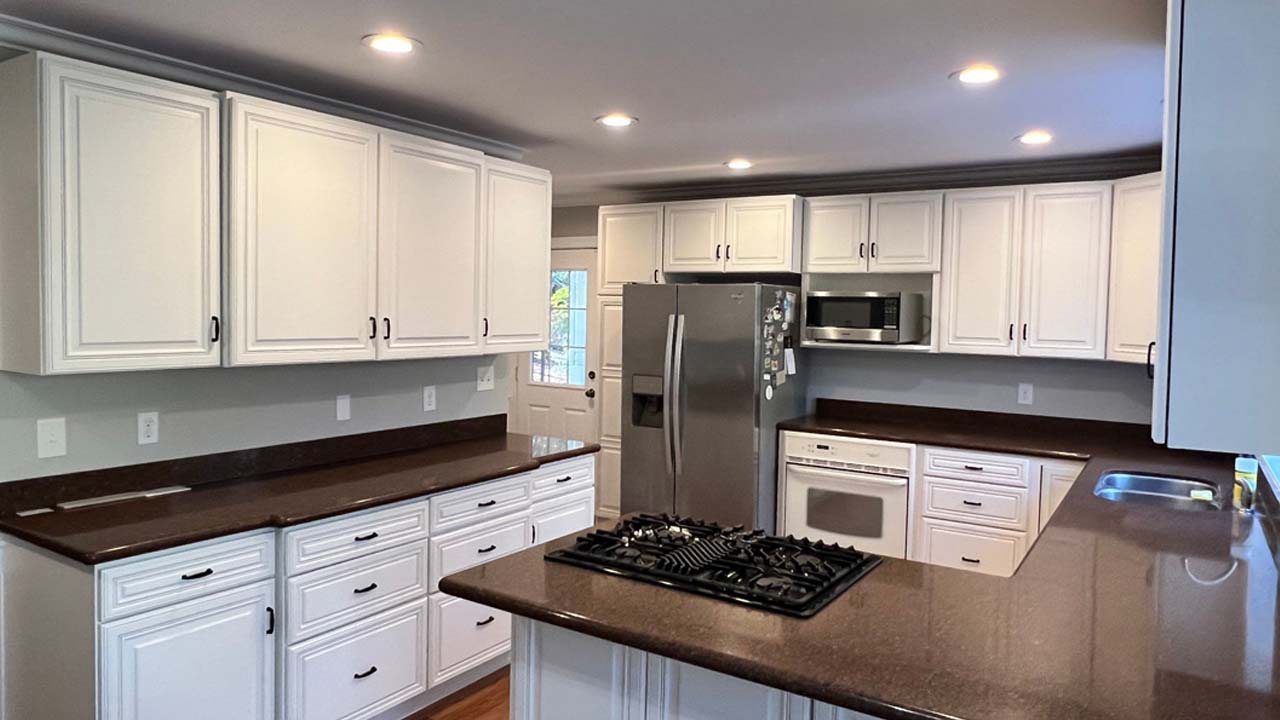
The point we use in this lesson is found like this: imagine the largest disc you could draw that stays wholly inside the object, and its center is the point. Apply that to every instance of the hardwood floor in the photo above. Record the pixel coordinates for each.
(484, 700)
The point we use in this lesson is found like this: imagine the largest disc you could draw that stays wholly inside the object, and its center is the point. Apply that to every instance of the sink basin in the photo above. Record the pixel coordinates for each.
(1170, 492)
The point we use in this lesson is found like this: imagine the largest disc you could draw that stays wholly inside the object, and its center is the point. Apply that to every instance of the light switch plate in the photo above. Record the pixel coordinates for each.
(51, 437)
(428, 398)
(1026, 394)
(484, 377)
(343, 408)
(148, 428)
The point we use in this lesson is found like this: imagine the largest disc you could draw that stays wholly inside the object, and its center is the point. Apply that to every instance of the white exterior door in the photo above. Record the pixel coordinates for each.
(906, 232)
(430, 239)
(303, 237)
(980, 275)
(517, 257)
(132, 221)
(1134, 297)
(630, 246)
(207, 659)
(693, 239)
(761, 234)
(1065, 255)
(836, 230)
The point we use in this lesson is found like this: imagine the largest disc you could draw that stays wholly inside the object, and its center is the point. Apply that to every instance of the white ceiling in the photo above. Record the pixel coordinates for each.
(799, 86)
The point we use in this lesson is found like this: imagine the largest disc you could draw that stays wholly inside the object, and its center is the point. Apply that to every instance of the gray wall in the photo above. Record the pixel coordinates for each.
(219, 409)
(574, 221)
(1065, 388)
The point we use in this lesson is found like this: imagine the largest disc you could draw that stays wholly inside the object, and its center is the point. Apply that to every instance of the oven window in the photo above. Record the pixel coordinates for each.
(845, 513)
(859, 313)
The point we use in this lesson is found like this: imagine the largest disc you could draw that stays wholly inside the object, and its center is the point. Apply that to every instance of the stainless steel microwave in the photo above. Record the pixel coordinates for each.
(892, 318)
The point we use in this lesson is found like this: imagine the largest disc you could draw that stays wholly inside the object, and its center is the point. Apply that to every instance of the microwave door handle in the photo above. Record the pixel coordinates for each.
(666, 396)
(677, 381)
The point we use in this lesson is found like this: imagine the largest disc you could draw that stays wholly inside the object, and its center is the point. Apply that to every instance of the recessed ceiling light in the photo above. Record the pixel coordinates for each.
(1034, 137)
(977, 74)
(617, 120)
(391, 43)
(738, 164)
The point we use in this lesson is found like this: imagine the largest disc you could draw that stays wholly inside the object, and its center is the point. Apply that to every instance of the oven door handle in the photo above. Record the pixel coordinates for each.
(847, 476)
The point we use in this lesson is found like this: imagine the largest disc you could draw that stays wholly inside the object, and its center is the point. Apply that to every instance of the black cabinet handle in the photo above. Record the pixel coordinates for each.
(873, 249)
(373, 328)
(271, 621)
(727, 256)
(217, 329)
(533, 534)
(1024, 331)
(487, 503)
(862, 250)
(717, 251)
(198, 575)
(655, 276)
(486, 621)
(386, 321)
(564, 479)
(1010, 331)
(489, 549)
(1151, 368)
(366, 673)
(370, 536)
(970, 560)
(971, 503)
(368, 588)
(975, 468)
(486, 328)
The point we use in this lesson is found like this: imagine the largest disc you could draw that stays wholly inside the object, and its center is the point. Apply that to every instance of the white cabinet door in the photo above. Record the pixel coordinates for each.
(132, 239)
(823, 711)
(980, 273)
(1056, 478)
(562, 516)
(679, 691)
(303, 248)
(629, 238)
(693, 238)
(1065, 255)
(430, 201)
(557, 674)
(518, 258)
(906, 232)
(835, 233)
(762, 234)
(206, 659)
(1133, 301)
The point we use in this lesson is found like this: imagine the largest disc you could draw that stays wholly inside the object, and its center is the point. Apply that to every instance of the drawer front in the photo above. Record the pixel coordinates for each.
(464, 635)
(982, 467)
(335, 596)
(166, 578)
(329, 542)
(359, 671)
(563, 477)
(992, 505)
(472, 546)
(471, 505)
(562, 516)
(969, 547)
(854, 454)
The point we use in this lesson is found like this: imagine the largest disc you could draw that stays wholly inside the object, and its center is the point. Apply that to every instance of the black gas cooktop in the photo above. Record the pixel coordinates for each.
(786, 575)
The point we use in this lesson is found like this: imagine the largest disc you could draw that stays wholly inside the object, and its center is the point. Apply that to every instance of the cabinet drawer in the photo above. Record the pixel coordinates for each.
(361, 670)
(329, 598)
(563, 477)
(983, 467)
(464, 635)
(475, 545)
(332, 541)
(168, 577)
(562, 516)
(475, 504)
(993, 505)
(970, 547)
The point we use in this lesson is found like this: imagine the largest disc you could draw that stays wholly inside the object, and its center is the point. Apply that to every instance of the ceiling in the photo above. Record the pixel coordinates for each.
(800, 87)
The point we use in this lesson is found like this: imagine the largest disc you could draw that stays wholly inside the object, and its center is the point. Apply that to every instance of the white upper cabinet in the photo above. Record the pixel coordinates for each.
(1133, 300)
(980, 270)
(906, 232)
(1065, 255)
(763, 234)
(694, 236)
(629, 239)
(430, 223)
(517, 257)
(835, 234)
(302, 244)
(109, 220)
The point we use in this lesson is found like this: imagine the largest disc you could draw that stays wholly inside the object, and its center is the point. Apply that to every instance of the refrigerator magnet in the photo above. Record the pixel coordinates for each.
(768, 392)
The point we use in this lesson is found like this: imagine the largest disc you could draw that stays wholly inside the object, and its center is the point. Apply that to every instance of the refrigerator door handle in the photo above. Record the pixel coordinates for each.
(677, 379)
(666, 396)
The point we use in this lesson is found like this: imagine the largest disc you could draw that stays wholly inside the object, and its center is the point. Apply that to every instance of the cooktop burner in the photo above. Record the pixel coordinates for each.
(788, 575)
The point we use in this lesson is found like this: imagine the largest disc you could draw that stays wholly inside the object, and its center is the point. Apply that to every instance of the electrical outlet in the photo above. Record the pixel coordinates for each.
(428, 398)
(148, 428)
(1026, 394)
(51, 437)
(343, 408)
(484, 377)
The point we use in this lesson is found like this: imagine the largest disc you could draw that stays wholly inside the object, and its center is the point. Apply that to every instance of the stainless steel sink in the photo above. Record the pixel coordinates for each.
(1170, 492)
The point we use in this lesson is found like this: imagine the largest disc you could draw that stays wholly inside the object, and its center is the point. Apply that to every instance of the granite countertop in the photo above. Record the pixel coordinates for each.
(1119, 611)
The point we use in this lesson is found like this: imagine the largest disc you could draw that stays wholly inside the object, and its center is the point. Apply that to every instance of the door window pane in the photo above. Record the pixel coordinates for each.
(565, 361)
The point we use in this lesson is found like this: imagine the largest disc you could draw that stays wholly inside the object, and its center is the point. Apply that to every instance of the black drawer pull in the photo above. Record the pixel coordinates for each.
(198, 575)
(489, 549)
(564, 479)
(271, 621)
(975, 468)
(970, 560)
(971, 503)
(487, 503)
(486, 621)
(368, 588)
(370, 536)
(366, 673)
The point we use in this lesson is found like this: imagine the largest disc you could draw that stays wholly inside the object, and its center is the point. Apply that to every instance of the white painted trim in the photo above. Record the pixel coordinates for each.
(574, 242)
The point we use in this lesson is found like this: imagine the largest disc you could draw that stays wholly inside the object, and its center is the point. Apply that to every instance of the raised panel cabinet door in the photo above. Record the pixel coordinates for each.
(906, 232)
(430, 223)
(517, 257)
(558, 674)
(629, 238)
(1065, 255)
(1134, 297)
(303, 249)
(823, 711)
(693, 238)
(679, 691)
(206, 659)
(132, 214)
(762, 234)
(980, 270)
(835, 234)
(1056, 478)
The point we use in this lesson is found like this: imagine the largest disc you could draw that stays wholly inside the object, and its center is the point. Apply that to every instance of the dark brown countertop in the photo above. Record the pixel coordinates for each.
(284, 498)
(1118, 612)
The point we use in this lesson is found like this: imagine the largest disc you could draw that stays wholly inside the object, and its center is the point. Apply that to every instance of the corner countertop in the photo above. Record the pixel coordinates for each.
(1118, 612)
(120, 530)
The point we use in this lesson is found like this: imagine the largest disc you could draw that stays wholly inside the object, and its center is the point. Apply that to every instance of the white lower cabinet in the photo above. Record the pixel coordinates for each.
(464, 635)
(823, 711)
(558, 517)
(972, 547)
(679, 691)
(1056, 478)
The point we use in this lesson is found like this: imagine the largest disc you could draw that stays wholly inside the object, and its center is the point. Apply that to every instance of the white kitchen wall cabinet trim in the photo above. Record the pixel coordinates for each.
(517, 258)
(85, 287)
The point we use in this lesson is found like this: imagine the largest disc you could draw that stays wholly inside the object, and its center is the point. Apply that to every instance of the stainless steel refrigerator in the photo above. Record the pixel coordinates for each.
(705, 382)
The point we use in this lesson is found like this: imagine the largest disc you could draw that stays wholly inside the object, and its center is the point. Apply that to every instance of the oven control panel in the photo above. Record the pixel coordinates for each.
(845, 453)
